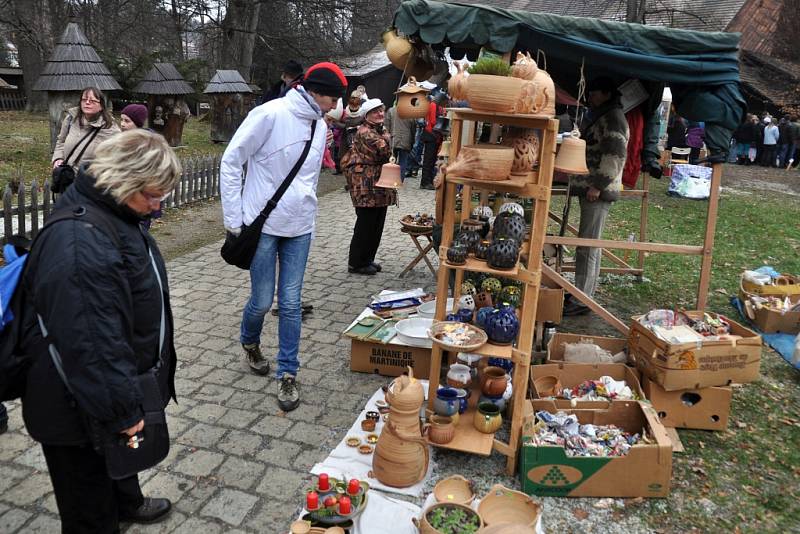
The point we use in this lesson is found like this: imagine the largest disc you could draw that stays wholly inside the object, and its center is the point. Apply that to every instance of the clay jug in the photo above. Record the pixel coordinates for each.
(400, 459)
(457, 86)
(405, 393)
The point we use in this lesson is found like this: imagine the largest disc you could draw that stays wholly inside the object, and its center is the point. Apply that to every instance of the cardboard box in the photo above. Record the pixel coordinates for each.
(551, 305)
(555, 348)
(770, 321)
(644, 472)
(572, 374)
(677, 366)
(704, 409)
(389, 359)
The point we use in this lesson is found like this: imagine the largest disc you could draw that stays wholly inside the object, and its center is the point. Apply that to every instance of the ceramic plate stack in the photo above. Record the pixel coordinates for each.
(414, 331)
(427, 309)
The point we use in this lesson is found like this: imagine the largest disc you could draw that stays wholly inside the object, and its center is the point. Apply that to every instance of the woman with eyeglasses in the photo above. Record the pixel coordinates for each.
(100, 285)
(83, 129)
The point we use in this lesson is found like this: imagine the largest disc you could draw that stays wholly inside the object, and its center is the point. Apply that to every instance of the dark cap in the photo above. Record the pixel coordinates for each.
(325, 79)
(293, 68)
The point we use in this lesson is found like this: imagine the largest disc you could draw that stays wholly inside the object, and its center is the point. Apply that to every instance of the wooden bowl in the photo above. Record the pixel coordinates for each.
(503, 505)
(442, 332)
(455, 489)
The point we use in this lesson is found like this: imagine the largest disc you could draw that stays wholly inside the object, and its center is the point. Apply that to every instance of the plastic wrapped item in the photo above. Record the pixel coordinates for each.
(758, 278)
(588, 352)
(604, 388)
(564, 430)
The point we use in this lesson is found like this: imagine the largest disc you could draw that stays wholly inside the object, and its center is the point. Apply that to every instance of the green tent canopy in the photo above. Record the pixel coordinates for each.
(701, 68)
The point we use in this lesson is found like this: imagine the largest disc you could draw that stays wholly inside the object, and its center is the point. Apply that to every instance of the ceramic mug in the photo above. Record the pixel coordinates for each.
(487, 418)
(441, 429)
(463, 397)
(494, 381)
(459, 376)
(446, 402)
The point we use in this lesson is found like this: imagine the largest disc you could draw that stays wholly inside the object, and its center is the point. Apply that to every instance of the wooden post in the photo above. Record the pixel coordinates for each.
(21, 209)
(34, 208)
(643, 219)
(8, 205)
(708, 242)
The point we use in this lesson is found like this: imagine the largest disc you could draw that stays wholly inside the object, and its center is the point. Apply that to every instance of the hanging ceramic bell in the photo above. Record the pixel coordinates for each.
(571, 157)
(390, 175)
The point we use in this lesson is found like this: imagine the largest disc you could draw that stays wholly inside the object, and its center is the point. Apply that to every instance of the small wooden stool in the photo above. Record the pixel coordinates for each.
(422, 253)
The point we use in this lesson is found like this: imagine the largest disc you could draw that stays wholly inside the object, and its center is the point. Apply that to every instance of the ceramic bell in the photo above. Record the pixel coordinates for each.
(390, 175)
(571, 158)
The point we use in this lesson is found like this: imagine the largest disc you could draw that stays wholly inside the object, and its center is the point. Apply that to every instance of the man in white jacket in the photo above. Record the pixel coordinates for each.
(270, 141)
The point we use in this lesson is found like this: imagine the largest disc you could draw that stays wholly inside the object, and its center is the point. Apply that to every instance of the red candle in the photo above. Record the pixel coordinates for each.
(312, 500)
(324, 484)
(353, 486)
(344, 505)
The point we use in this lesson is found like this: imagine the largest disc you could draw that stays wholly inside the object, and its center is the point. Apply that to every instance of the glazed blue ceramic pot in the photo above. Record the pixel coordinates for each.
(464, 315)
(462, 396)
(482, 315)
(502, 363)
(446, 401)
(502, 327)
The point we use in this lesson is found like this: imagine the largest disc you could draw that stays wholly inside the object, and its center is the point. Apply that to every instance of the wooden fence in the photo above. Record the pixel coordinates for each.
(30, 205)
(12, 100)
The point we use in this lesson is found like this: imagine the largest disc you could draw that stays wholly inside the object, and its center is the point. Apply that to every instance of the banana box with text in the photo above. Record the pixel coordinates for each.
(388, 359)
(547, 470)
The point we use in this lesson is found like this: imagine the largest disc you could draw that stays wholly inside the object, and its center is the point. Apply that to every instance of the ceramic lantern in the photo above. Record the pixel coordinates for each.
(412, 100)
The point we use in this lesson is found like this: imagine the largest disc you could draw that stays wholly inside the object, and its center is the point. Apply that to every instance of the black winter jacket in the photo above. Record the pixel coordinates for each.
(102, 308)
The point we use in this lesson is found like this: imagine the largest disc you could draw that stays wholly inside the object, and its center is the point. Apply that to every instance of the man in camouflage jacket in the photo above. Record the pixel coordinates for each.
(606, 134)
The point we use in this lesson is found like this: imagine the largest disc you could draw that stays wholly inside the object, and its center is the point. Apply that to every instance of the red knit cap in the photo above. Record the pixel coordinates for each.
(326, 79)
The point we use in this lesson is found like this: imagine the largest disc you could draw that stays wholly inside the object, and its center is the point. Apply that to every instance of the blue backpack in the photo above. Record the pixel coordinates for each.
(15, 360)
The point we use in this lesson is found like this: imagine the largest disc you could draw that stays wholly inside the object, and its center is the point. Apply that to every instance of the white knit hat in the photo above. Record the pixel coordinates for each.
(371, 104)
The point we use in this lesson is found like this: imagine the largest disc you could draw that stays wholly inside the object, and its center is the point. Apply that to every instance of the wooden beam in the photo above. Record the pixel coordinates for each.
(627, 193)
(607, 316)
(643, 217)
(611, 270)
(624, 245)
(708, 242)
(606, 253)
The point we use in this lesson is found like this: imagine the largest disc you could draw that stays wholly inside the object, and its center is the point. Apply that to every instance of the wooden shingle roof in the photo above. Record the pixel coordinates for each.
(75, 65)
(227, 81)
(163, 79)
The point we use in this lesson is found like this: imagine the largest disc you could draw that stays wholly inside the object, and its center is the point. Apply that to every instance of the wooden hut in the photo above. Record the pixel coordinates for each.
(228, 103)
(73, 66)
(165, 89)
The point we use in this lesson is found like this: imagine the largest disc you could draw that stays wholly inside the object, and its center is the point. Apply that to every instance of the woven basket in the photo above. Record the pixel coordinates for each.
(455, 489)
(503, 505)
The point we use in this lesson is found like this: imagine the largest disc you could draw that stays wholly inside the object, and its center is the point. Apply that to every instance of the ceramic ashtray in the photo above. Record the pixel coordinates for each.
(372, 438)
(368, 425)
(353, 441)
(365, 449)
(380, 403)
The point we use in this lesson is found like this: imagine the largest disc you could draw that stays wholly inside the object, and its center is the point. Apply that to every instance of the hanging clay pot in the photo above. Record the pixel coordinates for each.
(457, 86)
(526, 149)
(412, 100)
(398, 49)
(487, 92)
(524, 67)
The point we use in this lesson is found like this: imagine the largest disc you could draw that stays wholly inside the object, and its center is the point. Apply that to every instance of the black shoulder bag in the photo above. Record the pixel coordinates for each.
(151, 445)
(239, 250)
(64, 174)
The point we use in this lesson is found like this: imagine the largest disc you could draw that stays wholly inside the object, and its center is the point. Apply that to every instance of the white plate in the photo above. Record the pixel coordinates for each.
(412, 341)
(416, 327)
(427, 309)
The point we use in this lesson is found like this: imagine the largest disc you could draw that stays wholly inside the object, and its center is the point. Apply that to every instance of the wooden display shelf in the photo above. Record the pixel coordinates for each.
(468, 438)
(490, 350)
(523, 185)
(478, 266)
(507, 119)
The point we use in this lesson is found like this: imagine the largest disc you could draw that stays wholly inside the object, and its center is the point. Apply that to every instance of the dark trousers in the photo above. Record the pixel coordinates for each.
(366, 236)
(428, 158)
(88, 500)
(768, 155)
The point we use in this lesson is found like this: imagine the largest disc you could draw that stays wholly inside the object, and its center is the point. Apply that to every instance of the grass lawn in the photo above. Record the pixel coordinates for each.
(25, 144)
(747, 477)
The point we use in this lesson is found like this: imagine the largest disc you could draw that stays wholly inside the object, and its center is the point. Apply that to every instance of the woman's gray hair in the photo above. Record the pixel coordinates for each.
(133, 161)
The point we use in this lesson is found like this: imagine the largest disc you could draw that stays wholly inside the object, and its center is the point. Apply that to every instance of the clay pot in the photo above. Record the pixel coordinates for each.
(494, 93)
(502, 327)
(503, 505)
(547, 386)
(469, 239)
(446, 402)
(457, 86)
(525, 67)
(487, 418)
(503, 254)
(511, 295)
(300, 527)
(398, 49)
(458, 376)
(510, 226)
(481, 249)
(526, 150)
(400, 459)
(425, 527)
(368, 425)
(482, 315)
(457, 254)
(454, 489)
(483, 162)
(484, 298)
(498, 401)
(463, 397)
(412, 101)
(494, 381)
(441, 429)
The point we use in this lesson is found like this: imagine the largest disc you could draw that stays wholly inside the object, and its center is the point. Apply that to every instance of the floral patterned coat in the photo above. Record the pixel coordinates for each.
(362, 167)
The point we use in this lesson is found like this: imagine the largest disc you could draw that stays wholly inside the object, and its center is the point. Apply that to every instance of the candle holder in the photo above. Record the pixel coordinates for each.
(328, 511)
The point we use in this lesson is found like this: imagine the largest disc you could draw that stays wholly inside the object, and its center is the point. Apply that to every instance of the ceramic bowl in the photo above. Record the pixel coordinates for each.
(427, 309)
(414, 331)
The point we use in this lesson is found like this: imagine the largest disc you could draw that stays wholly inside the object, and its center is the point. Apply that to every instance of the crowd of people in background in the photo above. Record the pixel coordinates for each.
(766, 141)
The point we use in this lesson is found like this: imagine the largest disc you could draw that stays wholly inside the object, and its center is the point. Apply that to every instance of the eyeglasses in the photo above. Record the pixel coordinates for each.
(90, 101)
(153, 198)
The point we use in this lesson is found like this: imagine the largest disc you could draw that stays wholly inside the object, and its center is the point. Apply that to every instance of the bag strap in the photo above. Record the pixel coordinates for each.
(271, 203)
(92, 133)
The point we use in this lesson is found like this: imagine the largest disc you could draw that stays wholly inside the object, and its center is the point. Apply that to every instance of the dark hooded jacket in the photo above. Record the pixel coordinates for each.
(102, 308)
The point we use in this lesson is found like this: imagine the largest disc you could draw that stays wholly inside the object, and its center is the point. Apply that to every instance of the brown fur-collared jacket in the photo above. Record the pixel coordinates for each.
(362, 167)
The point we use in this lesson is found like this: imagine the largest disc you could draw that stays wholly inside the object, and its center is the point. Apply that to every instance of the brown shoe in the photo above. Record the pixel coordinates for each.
(255, 359)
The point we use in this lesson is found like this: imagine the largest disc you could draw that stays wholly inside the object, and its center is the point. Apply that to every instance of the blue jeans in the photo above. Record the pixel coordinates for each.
(783, 150)
(402, 160)
(291, 254)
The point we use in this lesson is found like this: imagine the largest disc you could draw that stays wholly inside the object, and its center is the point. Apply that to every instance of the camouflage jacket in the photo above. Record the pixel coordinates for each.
(606, 135)
(362, 167)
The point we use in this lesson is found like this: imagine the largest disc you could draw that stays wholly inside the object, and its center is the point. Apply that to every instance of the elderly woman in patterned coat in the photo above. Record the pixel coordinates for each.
(362, 167)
